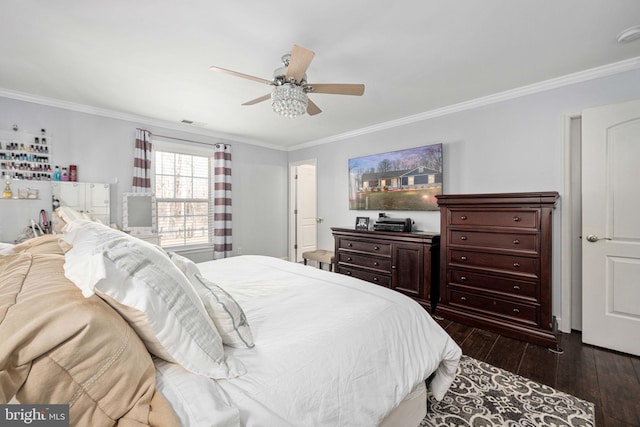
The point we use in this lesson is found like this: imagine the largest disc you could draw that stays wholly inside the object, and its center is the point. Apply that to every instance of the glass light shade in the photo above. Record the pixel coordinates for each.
(289, 100)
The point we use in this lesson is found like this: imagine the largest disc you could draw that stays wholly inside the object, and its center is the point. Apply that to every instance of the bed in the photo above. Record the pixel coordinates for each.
(243, 341)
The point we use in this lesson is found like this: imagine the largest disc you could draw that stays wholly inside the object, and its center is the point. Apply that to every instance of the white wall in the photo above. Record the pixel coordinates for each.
(511, 146)
(102, 148)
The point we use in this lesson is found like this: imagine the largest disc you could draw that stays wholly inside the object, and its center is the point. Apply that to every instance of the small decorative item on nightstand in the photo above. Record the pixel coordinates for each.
(362, 223)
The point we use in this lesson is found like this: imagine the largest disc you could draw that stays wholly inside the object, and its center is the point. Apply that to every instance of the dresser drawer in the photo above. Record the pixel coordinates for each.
(496, 218)
(514, 311)
(525, 266)
(382, 264)
(378, 279)
(516, 241)
(371, 247)
(516, 288)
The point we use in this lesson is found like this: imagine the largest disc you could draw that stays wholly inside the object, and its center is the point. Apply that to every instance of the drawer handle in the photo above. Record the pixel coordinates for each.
(348, 258)
(376, 248)
(516, 218)
(516, 287)
(516, 242)
(349, 244)
(463, 258)
(463, 237)
(375, 279)
(463, 298)
(463, 217)
(393, 267)
(515, 310)
(375, 264)
(516, 265)
(463, 278)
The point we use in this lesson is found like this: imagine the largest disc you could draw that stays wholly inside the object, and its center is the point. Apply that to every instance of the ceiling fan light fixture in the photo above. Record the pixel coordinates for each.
(289, 96)
(289, 100)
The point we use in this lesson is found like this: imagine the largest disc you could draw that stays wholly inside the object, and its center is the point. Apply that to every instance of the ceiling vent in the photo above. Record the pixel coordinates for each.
(192, 123)
(630, 34)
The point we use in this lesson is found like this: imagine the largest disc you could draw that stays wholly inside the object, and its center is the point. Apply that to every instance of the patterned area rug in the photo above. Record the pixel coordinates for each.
(485, 396)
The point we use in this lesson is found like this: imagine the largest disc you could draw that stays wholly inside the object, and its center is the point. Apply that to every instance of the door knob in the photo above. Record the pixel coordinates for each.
(594, 238)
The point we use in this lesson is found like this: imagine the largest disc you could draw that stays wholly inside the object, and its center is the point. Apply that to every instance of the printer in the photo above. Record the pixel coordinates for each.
(392, 224)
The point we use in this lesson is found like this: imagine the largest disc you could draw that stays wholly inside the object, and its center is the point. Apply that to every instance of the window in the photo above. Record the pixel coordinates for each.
(182, 198)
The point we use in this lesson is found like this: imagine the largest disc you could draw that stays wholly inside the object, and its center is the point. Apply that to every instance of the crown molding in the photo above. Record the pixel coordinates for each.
(138, 120)
(569, 79)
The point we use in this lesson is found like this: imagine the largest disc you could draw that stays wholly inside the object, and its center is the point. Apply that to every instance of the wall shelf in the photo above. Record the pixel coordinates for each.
(25, 156)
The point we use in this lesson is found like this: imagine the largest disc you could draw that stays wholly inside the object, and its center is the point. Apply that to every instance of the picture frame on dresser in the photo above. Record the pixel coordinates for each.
(362, 223)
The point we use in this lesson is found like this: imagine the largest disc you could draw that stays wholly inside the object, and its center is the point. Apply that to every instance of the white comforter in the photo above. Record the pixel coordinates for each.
(329, 350)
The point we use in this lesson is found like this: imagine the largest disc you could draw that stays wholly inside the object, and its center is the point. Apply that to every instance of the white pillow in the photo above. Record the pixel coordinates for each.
(184, 264)
(142, 284)
(6, 248)
(225, 311)
(197, 401)
(69, 215)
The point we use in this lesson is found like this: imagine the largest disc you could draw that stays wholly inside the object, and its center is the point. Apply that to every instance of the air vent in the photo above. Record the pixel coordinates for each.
(630, 34)
(192, 123)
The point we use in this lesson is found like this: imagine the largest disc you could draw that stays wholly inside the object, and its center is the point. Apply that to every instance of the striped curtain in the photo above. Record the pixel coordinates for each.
(142, 162)
(221, 196)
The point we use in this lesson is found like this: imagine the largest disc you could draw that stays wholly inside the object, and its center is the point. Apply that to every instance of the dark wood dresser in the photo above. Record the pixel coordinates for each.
(405, 262)
(496, 263)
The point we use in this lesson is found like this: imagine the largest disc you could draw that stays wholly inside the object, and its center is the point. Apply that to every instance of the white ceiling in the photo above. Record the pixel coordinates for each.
(151, 58)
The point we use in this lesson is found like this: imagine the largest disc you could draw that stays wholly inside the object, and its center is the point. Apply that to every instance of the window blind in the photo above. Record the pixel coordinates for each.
(182, 196)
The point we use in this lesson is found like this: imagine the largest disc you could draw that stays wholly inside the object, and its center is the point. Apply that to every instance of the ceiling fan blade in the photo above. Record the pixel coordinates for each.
(257, 100)
(237, 74)
(312, 108)
(299, 62)
(335, 88)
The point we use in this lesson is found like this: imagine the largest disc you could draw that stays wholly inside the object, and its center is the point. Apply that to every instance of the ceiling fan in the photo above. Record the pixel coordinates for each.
(289, 96)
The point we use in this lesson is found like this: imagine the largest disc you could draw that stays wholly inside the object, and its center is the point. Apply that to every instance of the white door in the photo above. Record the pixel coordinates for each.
(303, 220)
(307, 226)
(611, 227)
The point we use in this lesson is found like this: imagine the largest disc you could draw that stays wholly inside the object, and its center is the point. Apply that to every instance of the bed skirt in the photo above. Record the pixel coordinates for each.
(411, 410)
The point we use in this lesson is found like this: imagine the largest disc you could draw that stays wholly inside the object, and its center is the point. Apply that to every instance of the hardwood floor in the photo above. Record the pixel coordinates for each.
(609, 379)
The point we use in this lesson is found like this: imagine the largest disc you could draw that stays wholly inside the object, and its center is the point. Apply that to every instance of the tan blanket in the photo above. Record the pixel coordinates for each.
(59, 347)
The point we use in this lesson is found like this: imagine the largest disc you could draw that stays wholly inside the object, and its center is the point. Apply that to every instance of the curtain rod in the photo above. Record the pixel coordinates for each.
(189, 140)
